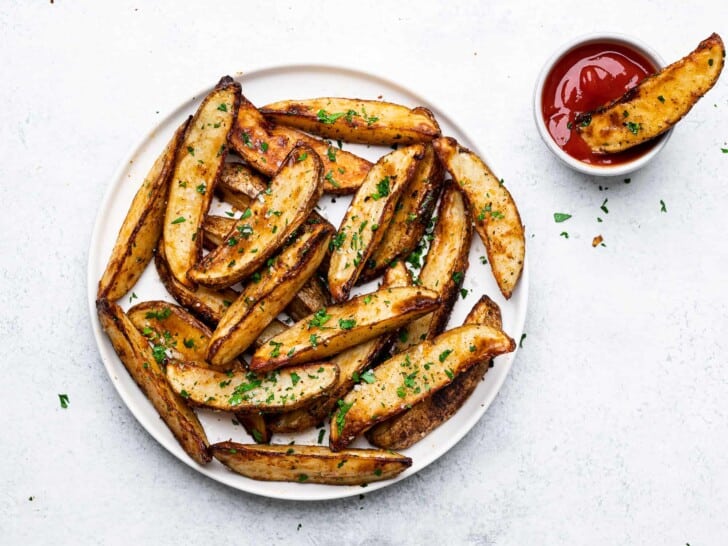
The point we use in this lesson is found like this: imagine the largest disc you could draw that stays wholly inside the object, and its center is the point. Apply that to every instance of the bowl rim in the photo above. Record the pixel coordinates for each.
(568, 46)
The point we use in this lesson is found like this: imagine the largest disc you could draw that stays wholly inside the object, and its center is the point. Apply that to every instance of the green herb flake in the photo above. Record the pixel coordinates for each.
(276, 349)
(520, 342)
(341, 414)
(191, 151)
(179, 220)
(302, 157)
(444, 355)
(367, 300)
(661, 98)
(663, 208)
(313, 339)
(347, 324)
(324, 117)
(382, 189)
(331, 154)
(561, 217)
(63, 398)
(189, 343)
(604, 206)
(222, 107)
(564, 234)
(448, 373)
(368, 377)
(319, 318)
(633, 127)
(295, 378)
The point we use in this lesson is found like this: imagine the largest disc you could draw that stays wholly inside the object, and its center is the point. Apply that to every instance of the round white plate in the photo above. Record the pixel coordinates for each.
(262, 87)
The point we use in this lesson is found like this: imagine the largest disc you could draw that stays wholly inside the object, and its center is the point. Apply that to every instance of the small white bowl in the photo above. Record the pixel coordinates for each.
(587, 168)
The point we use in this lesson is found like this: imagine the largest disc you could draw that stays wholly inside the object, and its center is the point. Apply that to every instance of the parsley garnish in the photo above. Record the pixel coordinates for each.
(295, 378)
(663, 208)
(324, 117)
(347, 324)
(444, 354)
(604, 207)
(159, 315)
(222, 107)
(64, 400)
(561, 217)
(276, 349)
(179, 220)
(382, 189)
(319, 318)
(341, 414)
(634, 128)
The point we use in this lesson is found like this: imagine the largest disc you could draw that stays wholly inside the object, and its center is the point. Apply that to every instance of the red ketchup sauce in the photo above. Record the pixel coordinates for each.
(584, 79)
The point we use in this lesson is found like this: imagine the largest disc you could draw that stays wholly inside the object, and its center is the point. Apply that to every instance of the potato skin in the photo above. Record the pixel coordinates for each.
(655, 104)
(142, 226)
(411, 426)
(136, 355)
(310, 464)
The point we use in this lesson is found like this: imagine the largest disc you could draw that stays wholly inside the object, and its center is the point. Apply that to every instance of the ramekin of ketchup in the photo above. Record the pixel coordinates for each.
(582, 75)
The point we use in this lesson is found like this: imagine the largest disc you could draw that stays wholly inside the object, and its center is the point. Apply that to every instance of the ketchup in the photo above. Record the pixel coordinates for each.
(584, 79)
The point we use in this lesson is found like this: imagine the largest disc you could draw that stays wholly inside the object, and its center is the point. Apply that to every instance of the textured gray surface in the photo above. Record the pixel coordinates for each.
(613, 425)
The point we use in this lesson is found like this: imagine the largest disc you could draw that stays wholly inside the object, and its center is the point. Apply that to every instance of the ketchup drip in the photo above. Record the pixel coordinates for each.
(584, 79)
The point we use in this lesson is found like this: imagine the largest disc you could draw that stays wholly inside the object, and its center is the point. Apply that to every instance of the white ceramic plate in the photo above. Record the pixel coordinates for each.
(261, 87)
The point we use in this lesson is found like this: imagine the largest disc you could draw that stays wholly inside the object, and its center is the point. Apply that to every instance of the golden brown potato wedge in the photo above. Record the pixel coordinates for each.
(444, 268)
(331, 330)
(239, 185)
(171, 327)
(413, 424)
(205, 303)
(411, 216)
(196, 171)
(142, 226)
(279, 390)
(656, 103)
(410, 377)
(137, 356)
(265, 145)
(254, 424)
(273, 329)
(310, 464)
(267, 294)
(351, 363)
(496, 216)
(312, 296)
(271, 219)
(356, 120)
(368, 216)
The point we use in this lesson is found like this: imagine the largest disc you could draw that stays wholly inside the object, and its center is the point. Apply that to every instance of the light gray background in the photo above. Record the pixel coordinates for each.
(613, 425)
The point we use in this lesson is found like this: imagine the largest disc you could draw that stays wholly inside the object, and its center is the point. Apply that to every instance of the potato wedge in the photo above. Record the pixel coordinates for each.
(331, 330)
(494, 212)
(206, 304)
(136, 355)
(413, 424)
(350, 362)
(255, 425)
(239, 185)
(310, 464)
(168, 326)
(267, 294)
(356, 120)
(142, 226)
(368, 216)
(279, 390)
(411, 216)
(275, 215)
(410, 377)
(312, 296)
(655, 104)
(444, 268)
(265, 145)
(196, 171)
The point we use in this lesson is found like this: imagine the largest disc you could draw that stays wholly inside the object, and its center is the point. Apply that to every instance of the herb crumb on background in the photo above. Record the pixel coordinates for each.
(64, 400)
(561, 217)
(663, 208)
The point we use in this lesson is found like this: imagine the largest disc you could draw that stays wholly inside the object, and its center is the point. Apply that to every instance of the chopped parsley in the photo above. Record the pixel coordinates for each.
(159, 315)
(179, 220)
(222, 107)
(382, 189)
(295, 378)
(444, 354)
(604, 207)
(276, 349)
(561, 217)
(201, 189)
(347, 324)
(663, 208)
(520, 342)
(189, 343)
(633, 127)
(319, 318)
(63, 398)
(564, 234)
(324, 117)
(341, 414)
(368, 377)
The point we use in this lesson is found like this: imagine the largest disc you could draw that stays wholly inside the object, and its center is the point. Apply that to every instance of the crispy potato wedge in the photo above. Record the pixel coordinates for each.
(266, 295)
(273, 329)
(331, 330)
(238, 186)
(174, 329)
(265, 145)
(312, 296)
(655, 104)
(136, 355)
(413, 424)
(279, 390)
(142, 226)
(411, 216)
(350, 362)
(410, 377)
(310, 464)
(368, 216)
(196, 171)
(444, 268)
(356, 120)
(205, 303)
(494, 212)
(275, 214)
(254, 424)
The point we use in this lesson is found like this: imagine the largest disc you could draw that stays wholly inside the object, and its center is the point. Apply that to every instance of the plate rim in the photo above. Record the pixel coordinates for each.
(231, 479)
